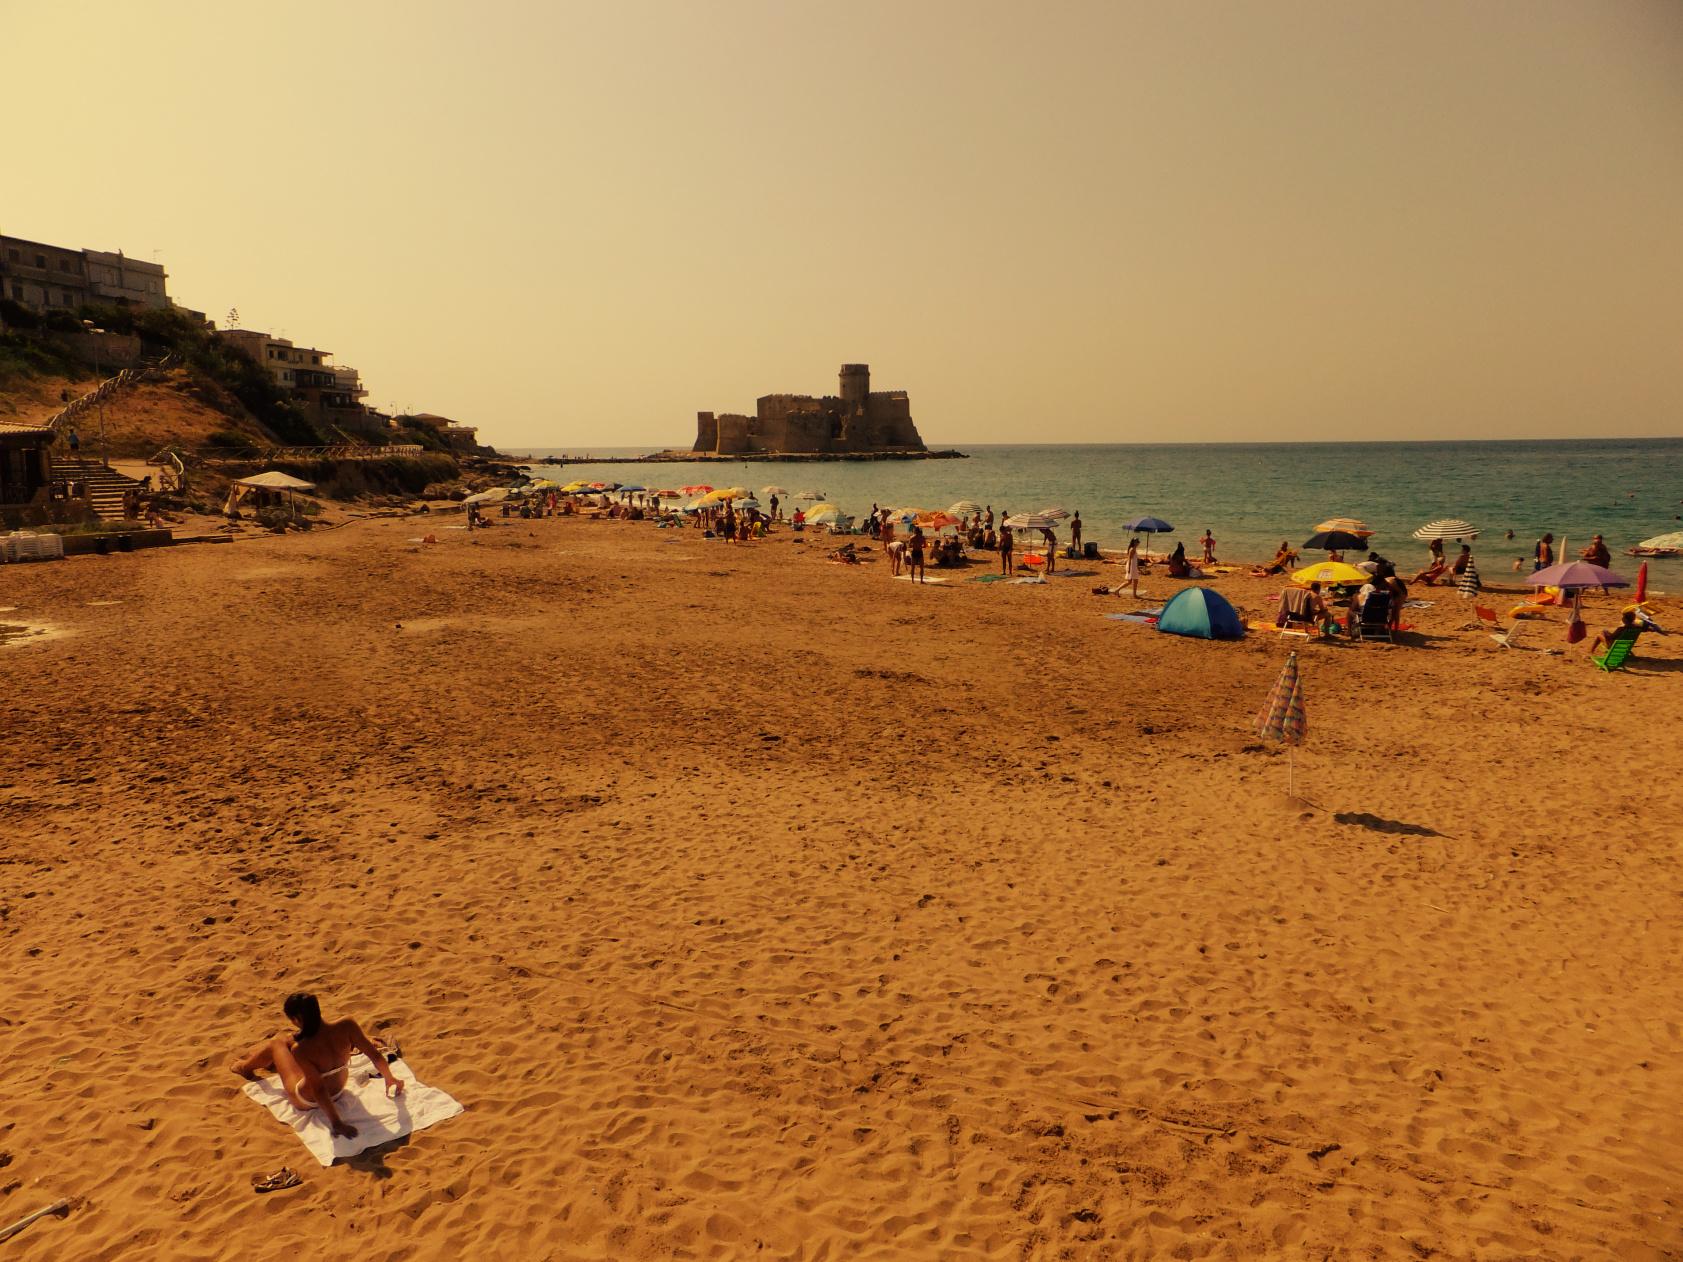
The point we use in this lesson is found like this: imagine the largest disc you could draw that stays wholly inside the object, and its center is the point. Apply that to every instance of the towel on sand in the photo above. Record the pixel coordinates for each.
(363, 1103)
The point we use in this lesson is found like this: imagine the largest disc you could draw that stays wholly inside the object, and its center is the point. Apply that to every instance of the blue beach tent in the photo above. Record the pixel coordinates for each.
(1202, 612)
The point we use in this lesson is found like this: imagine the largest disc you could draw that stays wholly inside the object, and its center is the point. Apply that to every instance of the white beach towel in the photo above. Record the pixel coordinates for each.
(907, 578)
(363, 1103)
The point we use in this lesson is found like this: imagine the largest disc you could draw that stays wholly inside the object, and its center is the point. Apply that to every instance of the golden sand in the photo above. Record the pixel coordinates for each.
(761, 907)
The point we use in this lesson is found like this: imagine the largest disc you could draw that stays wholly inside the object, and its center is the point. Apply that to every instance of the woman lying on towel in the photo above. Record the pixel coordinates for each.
(314, 1063)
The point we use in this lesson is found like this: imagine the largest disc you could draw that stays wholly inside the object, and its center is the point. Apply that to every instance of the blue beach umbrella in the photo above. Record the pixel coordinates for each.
(1149, 525)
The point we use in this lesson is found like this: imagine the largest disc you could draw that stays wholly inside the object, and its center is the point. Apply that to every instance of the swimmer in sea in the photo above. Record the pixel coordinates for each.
(314, 1063)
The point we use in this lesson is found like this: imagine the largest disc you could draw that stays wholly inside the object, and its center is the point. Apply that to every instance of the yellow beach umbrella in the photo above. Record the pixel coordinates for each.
(1335, 572)
(572, 487)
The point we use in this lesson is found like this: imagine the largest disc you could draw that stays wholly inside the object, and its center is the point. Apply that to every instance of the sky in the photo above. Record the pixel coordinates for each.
(577, 224)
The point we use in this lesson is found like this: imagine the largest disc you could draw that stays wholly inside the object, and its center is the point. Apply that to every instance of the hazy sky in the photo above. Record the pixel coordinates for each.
(577, 224)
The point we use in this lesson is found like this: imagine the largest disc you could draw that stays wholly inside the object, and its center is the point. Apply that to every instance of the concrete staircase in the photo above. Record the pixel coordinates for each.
(106, 487)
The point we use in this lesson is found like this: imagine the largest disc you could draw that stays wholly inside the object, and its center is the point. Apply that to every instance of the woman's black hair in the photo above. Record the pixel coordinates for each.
(301, 1006)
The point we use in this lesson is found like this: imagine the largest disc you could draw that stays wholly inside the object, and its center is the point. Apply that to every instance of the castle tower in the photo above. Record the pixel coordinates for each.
(855, 385)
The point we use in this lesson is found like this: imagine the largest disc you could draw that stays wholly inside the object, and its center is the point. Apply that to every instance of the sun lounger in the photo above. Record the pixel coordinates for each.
(1617, 654)
(1375, 620)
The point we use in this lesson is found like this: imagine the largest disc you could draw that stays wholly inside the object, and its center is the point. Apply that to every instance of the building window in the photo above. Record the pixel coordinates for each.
(17, 289)
(41, 261)
(69, 299)
(64, 265)
(13, 255)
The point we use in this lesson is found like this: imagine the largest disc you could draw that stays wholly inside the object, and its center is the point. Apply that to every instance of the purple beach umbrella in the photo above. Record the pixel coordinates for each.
(1571, 574)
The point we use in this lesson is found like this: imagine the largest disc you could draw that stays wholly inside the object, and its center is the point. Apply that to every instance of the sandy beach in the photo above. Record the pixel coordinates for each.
(756, 906)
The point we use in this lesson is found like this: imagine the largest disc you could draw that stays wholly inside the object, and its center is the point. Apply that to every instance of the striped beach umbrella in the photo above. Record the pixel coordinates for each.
(1447, 528)
(1469, 584)
(1282, 717)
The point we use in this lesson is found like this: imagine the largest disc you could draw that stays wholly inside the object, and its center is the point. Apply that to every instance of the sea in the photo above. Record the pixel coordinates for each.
(1252, 496)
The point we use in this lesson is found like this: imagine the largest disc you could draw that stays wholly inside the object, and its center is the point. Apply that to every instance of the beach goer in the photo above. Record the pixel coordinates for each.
(1208, 544)
(1626, 630)
(1302, 605)
(990, 516)
(74, 439)
(1006, 544)
(1370, 566)
(1075, 531)
(1597, 554)
(1049, 542)
(1462, 560)
(313, 1063)
(896, 550)
(1131, 567)
(1542, 556)
(1178, 567)
(914, 554)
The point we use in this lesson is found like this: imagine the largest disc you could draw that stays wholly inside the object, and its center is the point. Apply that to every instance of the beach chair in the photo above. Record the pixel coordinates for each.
(1490, 621)
(1617, 654)
(1375, 620)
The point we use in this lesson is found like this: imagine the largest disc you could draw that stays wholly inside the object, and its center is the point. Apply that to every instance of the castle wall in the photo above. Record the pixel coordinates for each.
(706, 432)
(735, 434)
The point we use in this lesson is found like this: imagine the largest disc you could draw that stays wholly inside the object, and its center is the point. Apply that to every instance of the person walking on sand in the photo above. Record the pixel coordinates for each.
(1050, 545)
(774, 512)
(1006, 543)
(1208, 542)
(1131, 570)
(314, 1062)
(1075, 531)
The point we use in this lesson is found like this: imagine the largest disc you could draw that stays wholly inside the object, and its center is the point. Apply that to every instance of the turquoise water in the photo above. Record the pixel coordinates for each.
(1251, 496)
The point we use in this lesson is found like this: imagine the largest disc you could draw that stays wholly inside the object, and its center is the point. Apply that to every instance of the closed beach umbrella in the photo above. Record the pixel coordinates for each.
(1642, 582)
(1200, 612)
(1576, 574)
(1282, 717)
(1447, 528)
(1334, 541)
(1468, 585)
(1354, 525)
(1335, 572)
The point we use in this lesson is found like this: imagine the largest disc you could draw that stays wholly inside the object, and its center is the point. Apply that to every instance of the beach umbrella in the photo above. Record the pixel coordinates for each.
(541, 484)
(810, 495)
(1447, 528)
(632, 486)
(700, 488)
(495, 495)
(573, 488)
(938, 521)
(1147, 525)
(1334, 541)
(1468, 585)
(904, 516)
(964, 508)
(1031, 521)
(669, 495)
(1355, 525)
(1642, 582)
(1671, 542)
(1576, 574)
(1056, 514)
(825, 515)
(1282, 716)
(1335, 572)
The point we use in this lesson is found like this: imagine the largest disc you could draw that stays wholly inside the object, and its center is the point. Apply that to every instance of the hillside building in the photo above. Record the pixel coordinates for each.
(855, 421)
(55, 278)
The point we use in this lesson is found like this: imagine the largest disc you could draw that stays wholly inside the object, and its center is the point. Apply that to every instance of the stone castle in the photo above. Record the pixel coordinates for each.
(857, 421)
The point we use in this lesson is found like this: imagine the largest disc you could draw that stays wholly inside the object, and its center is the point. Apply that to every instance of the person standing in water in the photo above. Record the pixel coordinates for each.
(313, 1063)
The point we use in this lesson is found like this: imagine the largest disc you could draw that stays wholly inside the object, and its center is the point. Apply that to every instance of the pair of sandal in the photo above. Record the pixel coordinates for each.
(279, 1181)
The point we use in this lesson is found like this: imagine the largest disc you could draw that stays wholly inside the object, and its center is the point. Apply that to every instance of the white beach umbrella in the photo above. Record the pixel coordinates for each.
(826, 515)
(772, 490)
(1032, 521)
(810, 495)
(1672, 540)
(494, 495)
(1056, 514)
(1447, 528)
(964, 508)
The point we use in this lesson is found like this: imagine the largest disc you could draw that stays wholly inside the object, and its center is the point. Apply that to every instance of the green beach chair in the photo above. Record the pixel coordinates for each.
(1617, 654)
